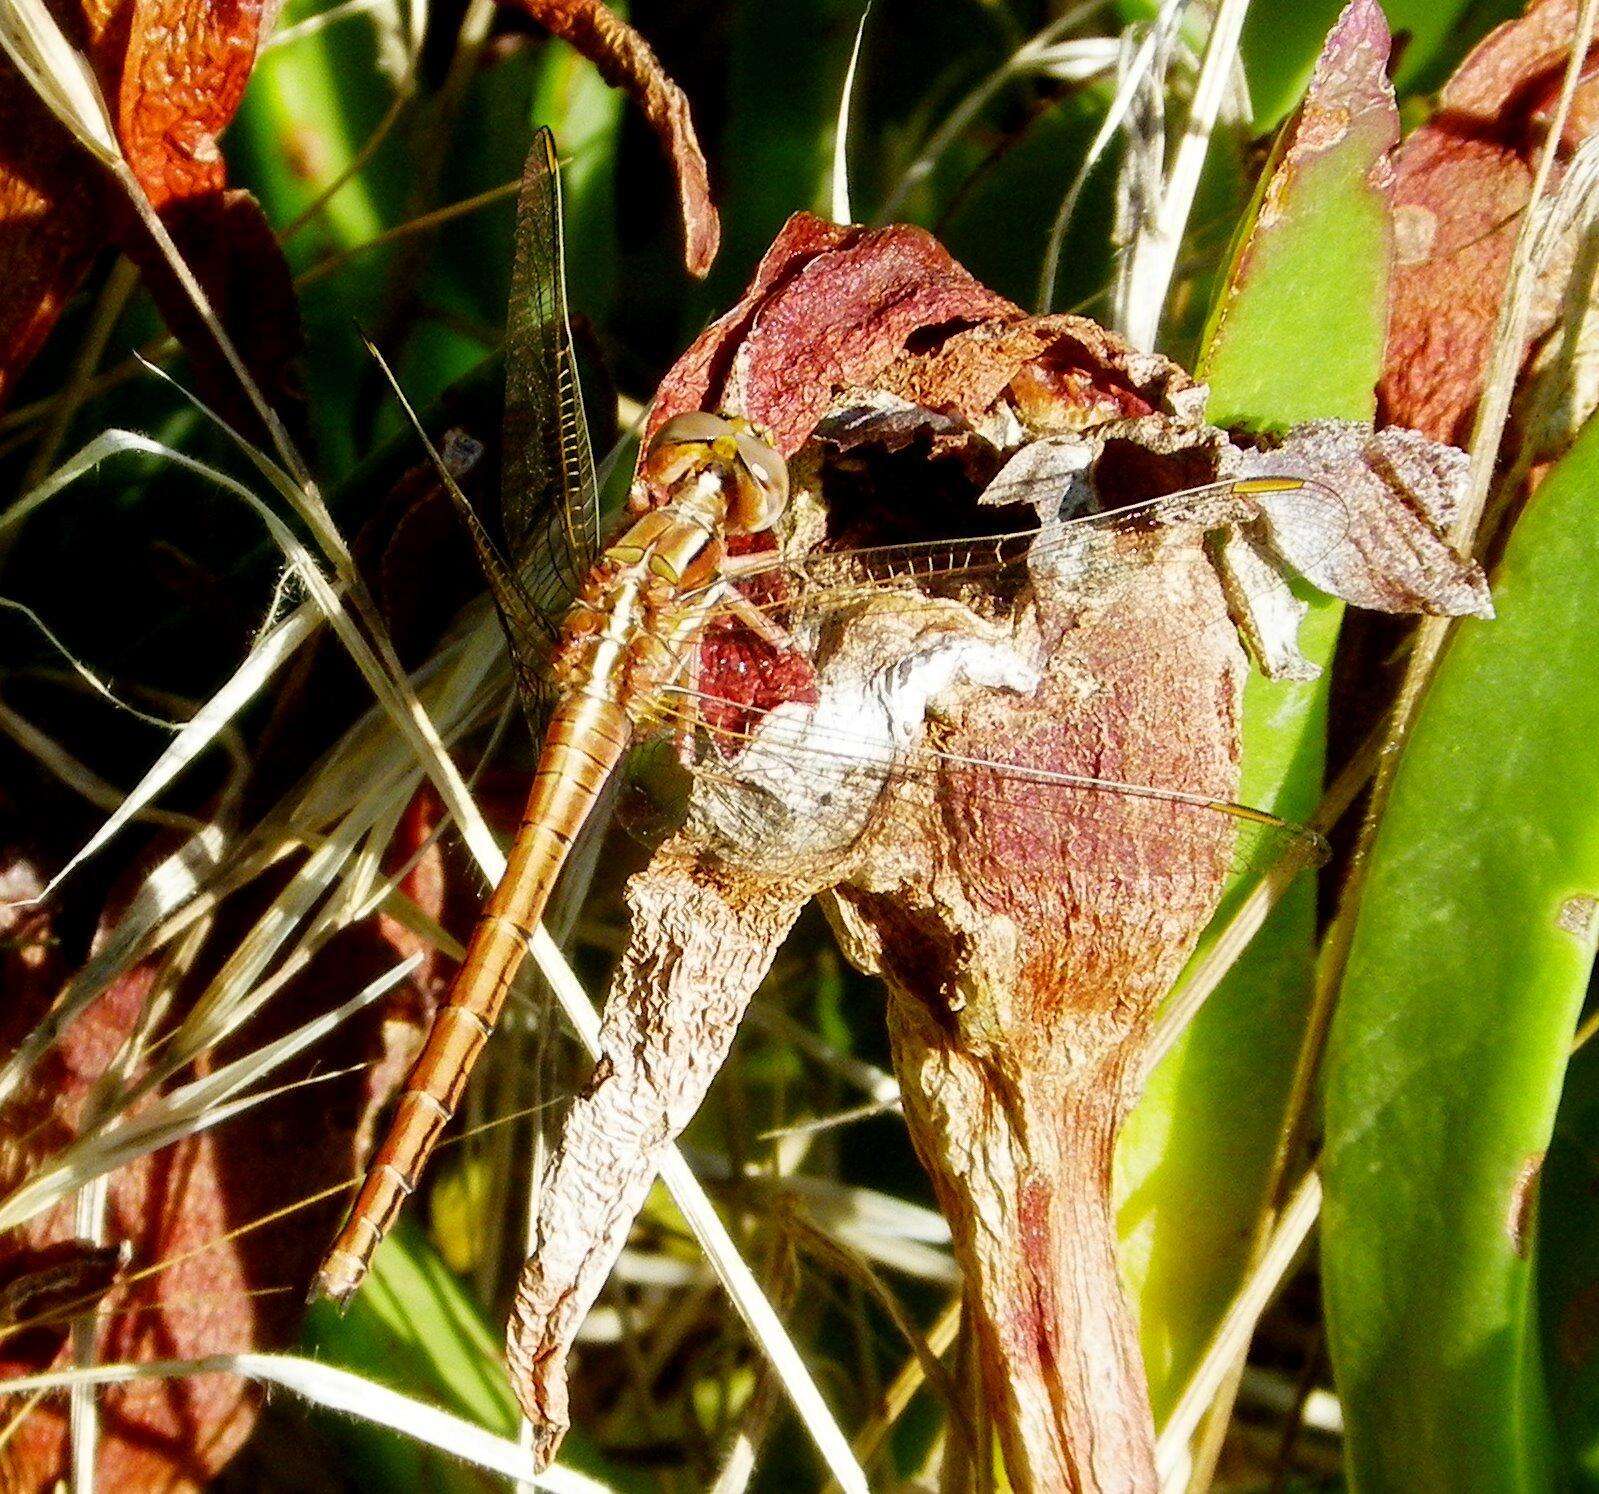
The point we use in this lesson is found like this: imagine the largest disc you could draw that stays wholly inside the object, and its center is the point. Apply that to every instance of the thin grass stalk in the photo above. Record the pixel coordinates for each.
(353, 167)
(69, 399)
(1154, 254)
(1152, 45)
(314, 25)
(1020, 63)
(335, 1390)
(1233, 1333)
(87, 676)
(1243, 923)
(846, 97)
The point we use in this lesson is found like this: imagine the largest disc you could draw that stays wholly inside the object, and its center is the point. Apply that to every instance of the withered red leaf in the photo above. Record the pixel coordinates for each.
(173, 72)
(50, 223)
(181, 78)
(829, 308)
(192, 1286)
(1462, 181)
(625, 61)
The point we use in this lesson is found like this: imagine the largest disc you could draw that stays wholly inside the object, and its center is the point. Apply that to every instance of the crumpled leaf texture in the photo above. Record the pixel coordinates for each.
(173, 73)
(187, 1290)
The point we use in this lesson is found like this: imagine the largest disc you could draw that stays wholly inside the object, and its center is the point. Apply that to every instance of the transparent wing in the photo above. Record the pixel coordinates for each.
(536, 552)
(795, 787)
(1086, 550)
(549, 498)
(528, 630)
(801, 795)
(782, 605)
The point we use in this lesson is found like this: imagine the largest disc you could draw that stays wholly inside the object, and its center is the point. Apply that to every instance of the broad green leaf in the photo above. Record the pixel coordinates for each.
(1470, 960)
(1309, 276)
(1195, 1155)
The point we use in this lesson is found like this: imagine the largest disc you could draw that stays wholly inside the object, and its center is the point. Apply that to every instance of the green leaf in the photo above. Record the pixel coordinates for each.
(414, 1328)
(1195, 1156)
(1304, 318)
(1470, 959)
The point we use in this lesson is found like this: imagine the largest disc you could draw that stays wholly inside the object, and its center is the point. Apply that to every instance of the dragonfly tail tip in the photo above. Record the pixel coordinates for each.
(338, 1280)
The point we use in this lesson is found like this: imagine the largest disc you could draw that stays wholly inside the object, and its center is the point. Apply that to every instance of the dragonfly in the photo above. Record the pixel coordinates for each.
(642, 654)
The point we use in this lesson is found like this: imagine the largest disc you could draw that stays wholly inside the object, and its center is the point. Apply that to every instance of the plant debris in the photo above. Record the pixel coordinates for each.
(1024, 952)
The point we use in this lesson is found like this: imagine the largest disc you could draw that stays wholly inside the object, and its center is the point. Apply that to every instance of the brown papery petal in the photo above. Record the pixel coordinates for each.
(626, 61)
(51, 222)
(1462, 181)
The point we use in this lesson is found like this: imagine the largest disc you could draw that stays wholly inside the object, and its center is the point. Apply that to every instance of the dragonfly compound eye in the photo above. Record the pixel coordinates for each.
(684, 445)
(762, 487)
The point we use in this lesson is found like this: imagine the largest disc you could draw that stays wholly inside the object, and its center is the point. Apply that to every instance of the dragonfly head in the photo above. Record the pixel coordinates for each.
(752, 476)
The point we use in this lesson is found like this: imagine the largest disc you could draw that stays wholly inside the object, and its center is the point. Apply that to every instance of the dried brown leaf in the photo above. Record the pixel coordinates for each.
(1389, 550)
(699, 943)
(1462, 181)
(625, 61)
(191, 1291)
(51, 223)
(174, 72)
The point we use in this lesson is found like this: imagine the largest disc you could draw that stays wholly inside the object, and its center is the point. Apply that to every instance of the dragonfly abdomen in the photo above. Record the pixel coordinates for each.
(585, 741)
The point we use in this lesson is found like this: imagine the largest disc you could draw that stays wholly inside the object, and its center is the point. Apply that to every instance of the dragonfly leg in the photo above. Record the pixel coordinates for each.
(757, 621)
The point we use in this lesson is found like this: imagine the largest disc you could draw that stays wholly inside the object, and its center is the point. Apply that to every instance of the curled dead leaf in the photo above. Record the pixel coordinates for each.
(625, 61)
(50, 227)
(174, 72)
(203, 1272)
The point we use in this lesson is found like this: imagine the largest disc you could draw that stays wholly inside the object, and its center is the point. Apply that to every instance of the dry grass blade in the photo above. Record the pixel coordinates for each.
(59, 74)
(84, 673)
(267, 655)
(1128, 87)
(846, 98)
(1153, 257)
(79, 777)
(173, 885)
(336, 1390)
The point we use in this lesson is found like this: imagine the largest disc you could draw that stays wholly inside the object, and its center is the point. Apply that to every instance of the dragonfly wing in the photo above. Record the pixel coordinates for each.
(793, 795)
(549, 496)
(536, 553)
(527, 628)
(1077, 559)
